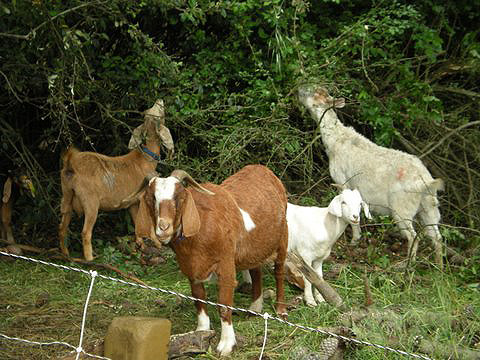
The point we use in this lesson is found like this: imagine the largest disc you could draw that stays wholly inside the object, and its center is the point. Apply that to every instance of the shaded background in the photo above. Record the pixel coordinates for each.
(81, 73)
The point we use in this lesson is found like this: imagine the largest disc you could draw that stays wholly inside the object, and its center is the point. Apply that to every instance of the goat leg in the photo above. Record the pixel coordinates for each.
(66, 208)
(89, 221)
(198, 291)
(7, 233)
(62, 232)
(257, 285)
(279, 270)
(226, 287)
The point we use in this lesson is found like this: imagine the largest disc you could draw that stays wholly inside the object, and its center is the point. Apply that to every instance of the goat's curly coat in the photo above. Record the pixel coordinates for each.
(391, 181)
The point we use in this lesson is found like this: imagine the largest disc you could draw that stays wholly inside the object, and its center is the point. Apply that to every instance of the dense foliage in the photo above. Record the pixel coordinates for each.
(80, 72)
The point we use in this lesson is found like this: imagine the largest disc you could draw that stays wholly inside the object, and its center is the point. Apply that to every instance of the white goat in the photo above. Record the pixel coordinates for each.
(391, 182)
(312, 231)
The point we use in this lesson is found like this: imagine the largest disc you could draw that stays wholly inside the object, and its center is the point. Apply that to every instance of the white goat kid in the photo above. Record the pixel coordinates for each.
(392, 182)
(312, 231)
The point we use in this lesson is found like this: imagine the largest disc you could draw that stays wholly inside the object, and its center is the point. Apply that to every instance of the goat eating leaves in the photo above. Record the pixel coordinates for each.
(15, 181)
(392, 182)
(93, 182)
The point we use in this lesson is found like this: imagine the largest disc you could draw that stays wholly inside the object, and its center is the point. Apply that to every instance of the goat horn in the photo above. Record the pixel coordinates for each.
(182, 175)
(340, 187)
(149, 177)
(134, 196)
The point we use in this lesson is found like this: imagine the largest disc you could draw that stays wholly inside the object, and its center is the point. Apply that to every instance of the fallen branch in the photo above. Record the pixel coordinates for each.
(328, 293)
(26, 247)
(456, 90)
(108, 267)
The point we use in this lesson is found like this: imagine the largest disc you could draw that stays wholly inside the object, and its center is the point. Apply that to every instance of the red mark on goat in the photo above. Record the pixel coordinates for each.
(400, 173)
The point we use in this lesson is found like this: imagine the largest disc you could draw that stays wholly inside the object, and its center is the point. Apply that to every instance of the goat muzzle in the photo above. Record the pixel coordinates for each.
(163, 225)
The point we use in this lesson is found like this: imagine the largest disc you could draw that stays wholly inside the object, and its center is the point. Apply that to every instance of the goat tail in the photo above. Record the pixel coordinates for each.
(66, 159)
(430, 187)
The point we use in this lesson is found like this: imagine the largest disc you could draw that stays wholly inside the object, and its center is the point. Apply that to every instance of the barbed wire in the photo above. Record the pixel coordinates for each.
(265, 316)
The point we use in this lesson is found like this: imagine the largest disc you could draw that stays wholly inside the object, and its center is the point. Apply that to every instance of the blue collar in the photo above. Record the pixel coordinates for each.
(179, 237)
(155, 157)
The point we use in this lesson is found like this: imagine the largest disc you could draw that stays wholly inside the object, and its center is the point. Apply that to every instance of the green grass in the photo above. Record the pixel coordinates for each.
(426, 302)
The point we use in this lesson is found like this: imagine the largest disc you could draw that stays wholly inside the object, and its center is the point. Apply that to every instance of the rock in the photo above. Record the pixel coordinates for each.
(137, 338)
(191, 343)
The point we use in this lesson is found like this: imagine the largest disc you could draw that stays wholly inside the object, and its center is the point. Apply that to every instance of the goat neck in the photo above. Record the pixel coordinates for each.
(325, 117)
(152, 143)
(335, 225)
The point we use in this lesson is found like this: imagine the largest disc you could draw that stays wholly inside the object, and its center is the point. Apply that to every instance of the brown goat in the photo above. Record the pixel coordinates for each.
(218, 229)
(93, 182)
(11, 187)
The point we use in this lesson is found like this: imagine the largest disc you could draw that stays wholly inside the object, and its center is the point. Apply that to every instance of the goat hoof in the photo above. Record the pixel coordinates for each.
(65, 252)
(283, 315)
(225, 346)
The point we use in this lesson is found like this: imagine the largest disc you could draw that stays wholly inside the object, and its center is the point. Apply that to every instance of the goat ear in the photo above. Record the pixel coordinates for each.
(366, 210)
(190, 218)
(335, 206)
(137, 137)
(166, 137)
(7, 190)
(339, 187)
(144, 226)
(437, 185)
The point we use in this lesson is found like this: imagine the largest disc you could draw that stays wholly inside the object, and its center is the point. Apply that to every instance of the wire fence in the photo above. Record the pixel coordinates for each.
(266, 316)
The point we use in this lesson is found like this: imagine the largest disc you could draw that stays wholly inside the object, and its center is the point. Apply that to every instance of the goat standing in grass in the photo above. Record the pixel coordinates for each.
(93, 182)
(312, 231)
(392, 182)
(217, 230)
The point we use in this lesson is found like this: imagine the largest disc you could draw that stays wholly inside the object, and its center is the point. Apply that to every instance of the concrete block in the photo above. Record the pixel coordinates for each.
(137, 338)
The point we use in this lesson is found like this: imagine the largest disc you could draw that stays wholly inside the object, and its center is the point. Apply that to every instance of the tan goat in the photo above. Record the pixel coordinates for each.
(11, 187)
(217, 230)
(93, 182)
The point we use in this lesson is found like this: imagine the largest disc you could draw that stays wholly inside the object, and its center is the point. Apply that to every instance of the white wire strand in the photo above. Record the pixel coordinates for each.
(207, 302)
(79, 349)
(30, 342)
(265, 316)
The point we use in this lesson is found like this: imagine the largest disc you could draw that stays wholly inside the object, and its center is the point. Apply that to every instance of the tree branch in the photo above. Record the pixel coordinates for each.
(31, 33)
